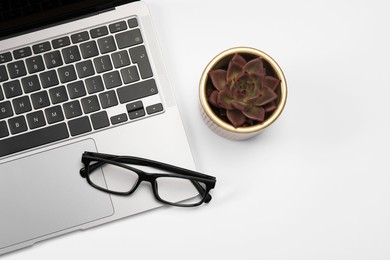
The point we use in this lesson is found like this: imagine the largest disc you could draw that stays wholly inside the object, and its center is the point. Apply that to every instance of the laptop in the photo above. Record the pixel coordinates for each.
(75, 76)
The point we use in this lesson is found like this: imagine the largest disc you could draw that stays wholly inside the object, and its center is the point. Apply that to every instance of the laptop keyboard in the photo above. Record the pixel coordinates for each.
(76, 84)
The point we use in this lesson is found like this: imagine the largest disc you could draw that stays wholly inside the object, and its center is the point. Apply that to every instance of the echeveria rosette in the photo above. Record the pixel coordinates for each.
(244, 90)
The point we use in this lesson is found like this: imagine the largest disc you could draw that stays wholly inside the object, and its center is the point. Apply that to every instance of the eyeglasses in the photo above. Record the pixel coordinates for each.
(170, 185)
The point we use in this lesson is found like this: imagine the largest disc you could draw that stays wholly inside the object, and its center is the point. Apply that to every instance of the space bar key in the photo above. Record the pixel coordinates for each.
(33, 139)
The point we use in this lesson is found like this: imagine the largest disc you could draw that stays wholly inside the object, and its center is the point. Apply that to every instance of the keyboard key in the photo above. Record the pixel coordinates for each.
(21, 105)
(35, 64)
(117, 27)
(12, 89)
(3, 129)
(154, 109)
(138, 55)
(1, 94)
(54, 114)
(67, 74)
(98, 32)
(89, 49)
(112, 79)
(136, 114)
(103, 64)
(5, 57)
(129, 38)
(53, 59)
(118, 119)
(49, 79)
(99, 120)
(16, 69)
(40, 100)
(79, 126)
(94, 84)
(134, 106)
(5, 110)
(22, 53)
(17, 125)
(33, 139)
(76, 89)
(61, 42)
(41, 47)
(31, 84)
(71, 54)
(3, 74)
(120, 59)
(132, 22)
(36, 119)
(90, 104)
(106, 44)
(108, 99)
(72, 109)
(85, 69)
(80, 37)
(137, 91)
(130, 74)
(58, 95)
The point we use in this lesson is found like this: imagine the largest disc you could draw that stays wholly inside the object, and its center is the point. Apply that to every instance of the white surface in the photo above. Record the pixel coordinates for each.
(313, 186)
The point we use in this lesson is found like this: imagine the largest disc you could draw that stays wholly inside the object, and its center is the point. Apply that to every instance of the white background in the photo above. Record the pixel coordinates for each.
(316, 184)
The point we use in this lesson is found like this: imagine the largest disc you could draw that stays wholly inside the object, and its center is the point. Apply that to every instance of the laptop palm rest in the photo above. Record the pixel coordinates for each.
(50, 197)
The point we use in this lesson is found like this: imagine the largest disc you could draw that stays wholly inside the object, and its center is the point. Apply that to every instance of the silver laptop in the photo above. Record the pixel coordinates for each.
(75, 76)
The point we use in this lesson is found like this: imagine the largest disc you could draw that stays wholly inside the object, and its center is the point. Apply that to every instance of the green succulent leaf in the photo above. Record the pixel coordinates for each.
(236, 117)
(218, 78)
(234, 70)
(224, 99)
(267, 95)
(271, 82)
(237, 58)
(255, 66)
(255, 113)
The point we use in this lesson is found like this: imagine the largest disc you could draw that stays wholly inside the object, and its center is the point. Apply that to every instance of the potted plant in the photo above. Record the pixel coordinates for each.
(242, 91)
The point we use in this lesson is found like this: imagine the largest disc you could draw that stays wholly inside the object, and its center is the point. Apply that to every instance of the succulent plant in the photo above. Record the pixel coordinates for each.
(243, 92)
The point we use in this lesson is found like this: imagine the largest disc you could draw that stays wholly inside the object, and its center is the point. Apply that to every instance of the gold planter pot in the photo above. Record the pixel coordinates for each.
(223, 128)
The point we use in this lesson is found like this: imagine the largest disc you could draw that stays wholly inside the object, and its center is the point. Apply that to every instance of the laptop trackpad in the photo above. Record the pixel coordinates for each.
(44, 193)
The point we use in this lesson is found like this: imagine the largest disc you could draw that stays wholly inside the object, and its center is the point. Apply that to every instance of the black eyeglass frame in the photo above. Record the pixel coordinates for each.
(174, 172)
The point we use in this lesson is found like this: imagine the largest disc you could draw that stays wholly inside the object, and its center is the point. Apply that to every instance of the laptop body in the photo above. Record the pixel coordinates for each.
(108, 94)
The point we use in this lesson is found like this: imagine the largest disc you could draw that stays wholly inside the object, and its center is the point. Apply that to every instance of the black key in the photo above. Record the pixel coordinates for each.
(117, 27)
(67, 74)
(98, 32)
(12, 89)
(54, 114)
(21, 105)
(22, 53)
(129, 38)
(94, 84)
(79, 126)
(3, 74)
(106, 44)
(1, 94)
(16, 69)
(102, 64)
(118, 119)
(33, 139)
(89, 49)
(53, 59)
(40, 100)
(154, 108)
(72, 109)
(36, 119)
(108, 99)
(58, 95)
(136, 114)
(76, 89)
(71, 54)
(80, 37)
(120, 59)
(112, 79)
(31, 84)
(35, 64)
(134, 106)
(85, 69)
(17, 125)
(90, 104)
(132, 22)
(41, 47)
(130, 74)
(61, 42)
(5, 110)
(100, 120)
(49, 79)
(3, 129)
(137, 91)
(138, 55)
(5, 57)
